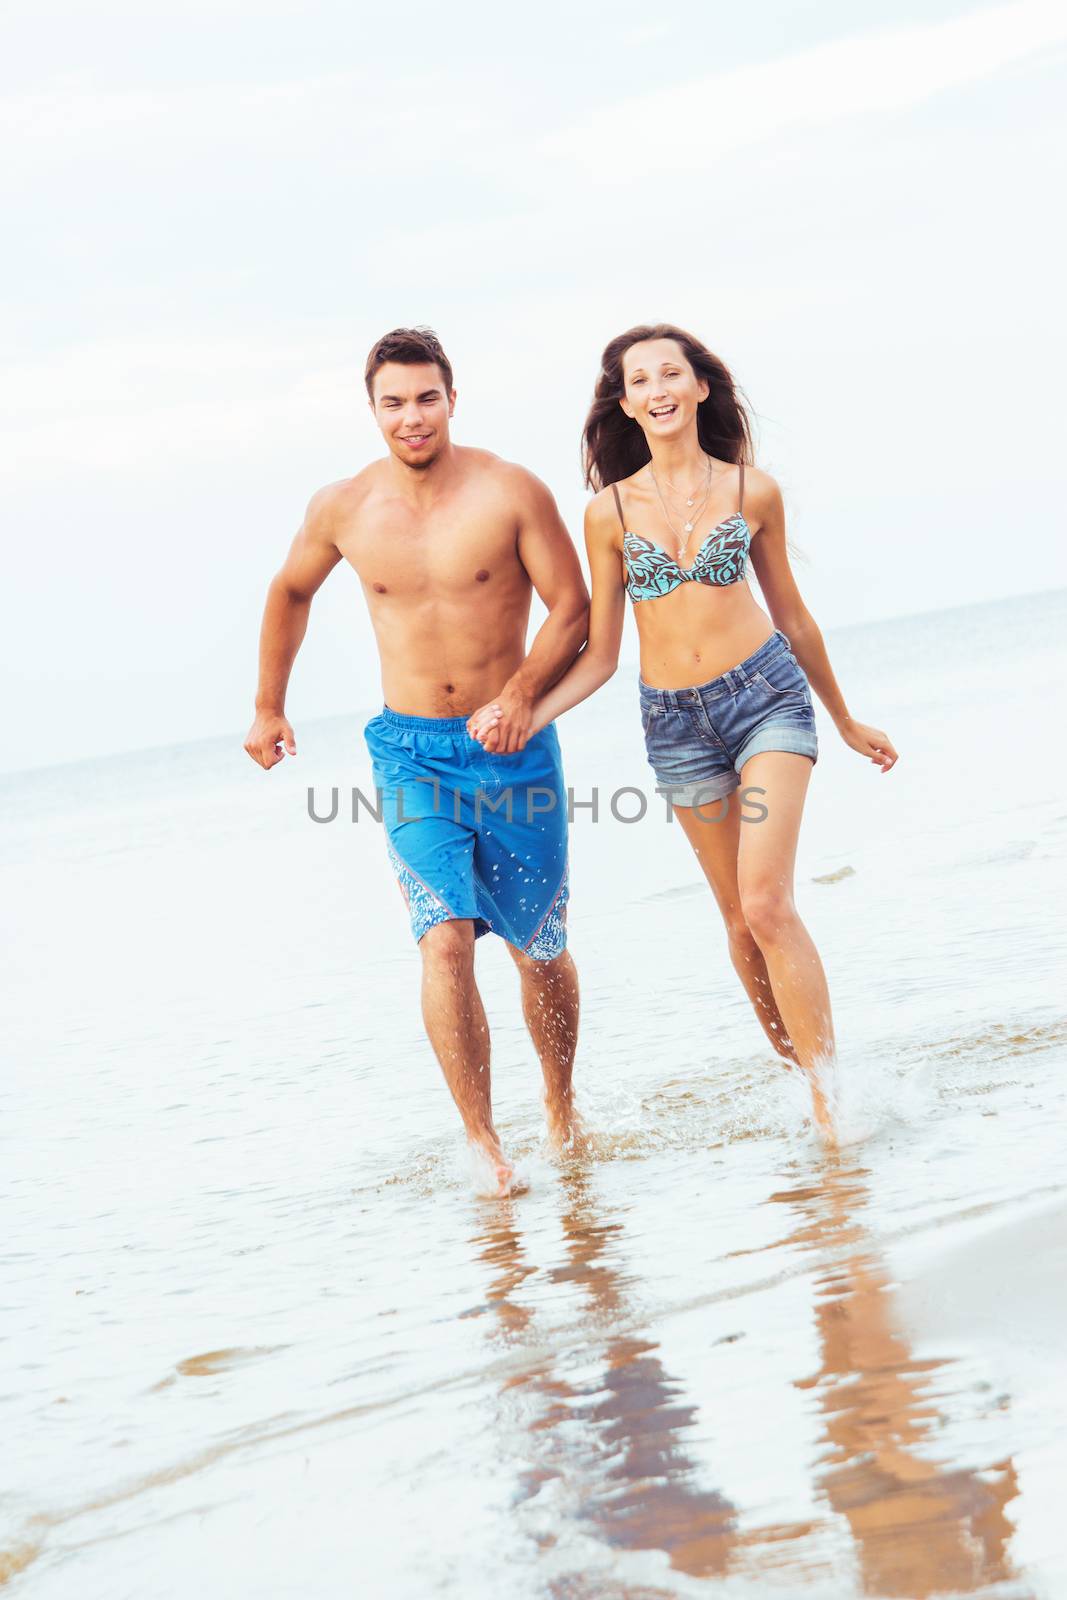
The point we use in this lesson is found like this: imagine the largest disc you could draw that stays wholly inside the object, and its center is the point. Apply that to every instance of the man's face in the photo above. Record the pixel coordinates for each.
(412, 409)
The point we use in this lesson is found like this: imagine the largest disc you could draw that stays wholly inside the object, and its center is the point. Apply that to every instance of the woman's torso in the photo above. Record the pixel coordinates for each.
(696, 617)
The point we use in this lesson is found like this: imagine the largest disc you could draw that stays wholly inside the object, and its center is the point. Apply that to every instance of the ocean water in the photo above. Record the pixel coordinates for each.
(261, 1336)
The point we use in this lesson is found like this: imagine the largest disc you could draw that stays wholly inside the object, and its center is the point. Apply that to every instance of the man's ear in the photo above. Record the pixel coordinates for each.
(451, 403)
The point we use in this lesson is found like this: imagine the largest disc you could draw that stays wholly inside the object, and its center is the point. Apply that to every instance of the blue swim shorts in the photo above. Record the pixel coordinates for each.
(698, 739)
(474, 835)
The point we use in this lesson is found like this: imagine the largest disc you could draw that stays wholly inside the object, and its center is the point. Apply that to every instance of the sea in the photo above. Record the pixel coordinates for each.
(261, 1334)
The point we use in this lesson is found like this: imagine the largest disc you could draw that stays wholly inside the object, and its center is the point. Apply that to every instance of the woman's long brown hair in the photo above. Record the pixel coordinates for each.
(613, 445)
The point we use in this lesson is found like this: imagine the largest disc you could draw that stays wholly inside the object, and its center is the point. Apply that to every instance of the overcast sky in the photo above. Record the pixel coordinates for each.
(213, 210)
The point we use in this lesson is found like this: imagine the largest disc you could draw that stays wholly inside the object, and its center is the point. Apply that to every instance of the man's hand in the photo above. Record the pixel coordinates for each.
(270, 738)
(502, 726)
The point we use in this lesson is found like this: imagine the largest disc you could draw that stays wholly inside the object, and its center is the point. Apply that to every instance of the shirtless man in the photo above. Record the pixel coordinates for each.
(448, 543)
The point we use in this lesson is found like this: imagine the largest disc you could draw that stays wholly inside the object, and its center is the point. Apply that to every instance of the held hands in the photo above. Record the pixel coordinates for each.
(502, 726)
(870, 742)
(270, 738)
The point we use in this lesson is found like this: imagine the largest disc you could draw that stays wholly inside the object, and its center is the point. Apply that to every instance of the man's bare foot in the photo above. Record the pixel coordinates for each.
(494, 1173)
(566, 1131)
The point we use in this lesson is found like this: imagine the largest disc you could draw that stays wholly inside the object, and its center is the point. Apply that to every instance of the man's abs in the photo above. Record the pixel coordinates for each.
(445, 659)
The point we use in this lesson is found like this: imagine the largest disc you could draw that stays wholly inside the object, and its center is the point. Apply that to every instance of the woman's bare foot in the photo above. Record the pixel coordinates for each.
(820, 1080)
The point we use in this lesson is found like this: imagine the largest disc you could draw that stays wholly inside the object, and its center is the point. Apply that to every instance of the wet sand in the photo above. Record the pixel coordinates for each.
(261, 1337)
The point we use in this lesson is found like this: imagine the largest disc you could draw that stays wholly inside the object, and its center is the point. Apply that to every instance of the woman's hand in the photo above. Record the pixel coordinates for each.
(503, 725)
(870, 742)
(482, 724)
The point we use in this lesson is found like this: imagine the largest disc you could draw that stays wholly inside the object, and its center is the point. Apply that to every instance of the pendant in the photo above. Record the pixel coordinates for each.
(689, 527)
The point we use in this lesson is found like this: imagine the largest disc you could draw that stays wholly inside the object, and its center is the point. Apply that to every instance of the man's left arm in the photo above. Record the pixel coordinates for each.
(547, 552)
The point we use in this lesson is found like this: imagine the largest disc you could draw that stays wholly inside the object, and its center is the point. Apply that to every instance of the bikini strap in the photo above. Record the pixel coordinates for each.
(618, 507)
(741, 486)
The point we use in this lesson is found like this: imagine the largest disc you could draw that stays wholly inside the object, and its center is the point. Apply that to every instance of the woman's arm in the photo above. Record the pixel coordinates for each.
(598, 661)
(770, 558)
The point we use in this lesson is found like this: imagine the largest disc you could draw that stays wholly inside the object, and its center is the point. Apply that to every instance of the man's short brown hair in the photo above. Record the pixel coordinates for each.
(411, 347)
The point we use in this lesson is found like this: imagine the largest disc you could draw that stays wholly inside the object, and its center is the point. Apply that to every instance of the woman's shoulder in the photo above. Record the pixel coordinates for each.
(602, 520)
(758, 495)
(759, 484)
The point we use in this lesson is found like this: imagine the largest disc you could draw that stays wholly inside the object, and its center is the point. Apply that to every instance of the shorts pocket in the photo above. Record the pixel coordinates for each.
(783, 676)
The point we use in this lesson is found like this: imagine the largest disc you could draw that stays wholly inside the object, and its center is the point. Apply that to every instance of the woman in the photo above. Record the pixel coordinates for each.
(725, 700)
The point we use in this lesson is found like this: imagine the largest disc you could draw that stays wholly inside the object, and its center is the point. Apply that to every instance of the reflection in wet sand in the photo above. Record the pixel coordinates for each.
(613, 1444)
(607, 1457)
(919, 1527)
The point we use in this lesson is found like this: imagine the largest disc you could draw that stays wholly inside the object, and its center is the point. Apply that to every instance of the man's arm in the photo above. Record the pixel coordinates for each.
(598, 661)
(312, 556)
(548, 554)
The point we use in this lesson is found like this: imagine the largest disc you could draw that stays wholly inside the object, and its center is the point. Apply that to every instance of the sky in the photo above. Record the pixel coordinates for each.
(214, 210)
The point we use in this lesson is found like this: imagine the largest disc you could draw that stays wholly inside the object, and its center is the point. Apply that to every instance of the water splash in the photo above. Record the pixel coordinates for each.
(864, 1095)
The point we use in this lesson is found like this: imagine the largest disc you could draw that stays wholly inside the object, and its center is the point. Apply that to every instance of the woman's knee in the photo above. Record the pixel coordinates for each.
(769, 912)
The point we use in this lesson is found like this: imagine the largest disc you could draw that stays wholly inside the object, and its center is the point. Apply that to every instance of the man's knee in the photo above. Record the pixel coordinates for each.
(539, 971)
(448, 943)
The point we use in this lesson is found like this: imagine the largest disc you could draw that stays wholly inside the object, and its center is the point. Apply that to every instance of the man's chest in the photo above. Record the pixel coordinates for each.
(402, 555)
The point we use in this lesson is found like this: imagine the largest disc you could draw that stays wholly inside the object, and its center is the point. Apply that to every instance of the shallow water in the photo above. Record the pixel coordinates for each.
(261, 1336)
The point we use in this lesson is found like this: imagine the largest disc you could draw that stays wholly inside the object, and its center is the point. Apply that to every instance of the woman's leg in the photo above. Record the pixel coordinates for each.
(765, 865)
(713, 832)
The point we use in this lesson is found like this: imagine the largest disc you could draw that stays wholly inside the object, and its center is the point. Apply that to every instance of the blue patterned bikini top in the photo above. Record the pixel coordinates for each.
(651, 571)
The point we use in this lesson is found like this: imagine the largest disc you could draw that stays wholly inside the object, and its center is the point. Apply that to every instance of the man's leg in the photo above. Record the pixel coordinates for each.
(550, 1004)
(457, 1029)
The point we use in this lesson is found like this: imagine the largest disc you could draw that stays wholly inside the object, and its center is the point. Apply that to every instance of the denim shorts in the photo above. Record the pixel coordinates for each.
(698, 739)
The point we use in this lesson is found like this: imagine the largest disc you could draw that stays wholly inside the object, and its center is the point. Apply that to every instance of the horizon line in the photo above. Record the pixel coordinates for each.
(333, 716)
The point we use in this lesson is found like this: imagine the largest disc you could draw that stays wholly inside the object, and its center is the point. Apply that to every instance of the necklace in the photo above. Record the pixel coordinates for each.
(683, 544)
(690, 498)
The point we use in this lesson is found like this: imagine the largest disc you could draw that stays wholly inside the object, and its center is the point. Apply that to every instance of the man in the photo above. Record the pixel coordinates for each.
(448, 543)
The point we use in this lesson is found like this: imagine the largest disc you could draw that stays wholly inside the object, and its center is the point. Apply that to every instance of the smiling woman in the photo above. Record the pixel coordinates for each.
(726, 706)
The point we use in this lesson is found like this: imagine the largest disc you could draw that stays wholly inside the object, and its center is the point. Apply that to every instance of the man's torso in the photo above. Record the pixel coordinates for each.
(448, 595)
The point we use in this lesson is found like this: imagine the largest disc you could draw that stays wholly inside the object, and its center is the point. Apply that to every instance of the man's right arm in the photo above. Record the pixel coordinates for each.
(312, 556)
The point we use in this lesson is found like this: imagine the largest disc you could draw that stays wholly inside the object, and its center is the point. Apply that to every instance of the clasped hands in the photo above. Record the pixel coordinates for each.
(502, 726)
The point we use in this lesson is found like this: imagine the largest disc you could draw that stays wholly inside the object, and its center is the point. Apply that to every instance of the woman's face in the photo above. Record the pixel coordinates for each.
(661, 390)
